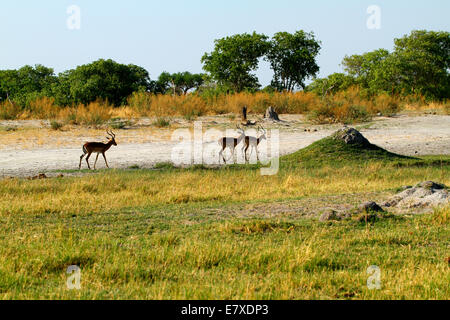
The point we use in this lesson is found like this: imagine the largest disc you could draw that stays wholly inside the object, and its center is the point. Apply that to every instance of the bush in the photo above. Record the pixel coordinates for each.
(119, 123)
(95, 113)
(351, 105)
(161, 122)
(9, 111)
(385, 105)
(43, 108)
(55, 125)
(332, 112)
(447, 108)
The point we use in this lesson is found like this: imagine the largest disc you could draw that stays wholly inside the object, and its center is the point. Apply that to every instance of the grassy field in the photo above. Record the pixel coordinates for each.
(172, 233)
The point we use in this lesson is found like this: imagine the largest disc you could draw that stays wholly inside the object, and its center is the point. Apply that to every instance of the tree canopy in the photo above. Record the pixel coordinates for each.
(333, 83)
(180, 82)
(293, 59)
(235, 58)
(419, 64)
(104, 79)
(27, 83)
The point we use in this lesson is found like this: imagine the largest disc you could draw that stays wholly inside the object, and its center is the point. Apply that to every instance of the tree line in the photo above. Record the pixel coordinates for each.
(101, 79)
(419, 64)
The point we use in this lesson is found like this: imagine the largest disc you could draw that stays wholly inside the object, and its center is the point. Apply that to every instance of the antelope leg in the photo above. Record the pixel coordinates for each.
(95, 163)
(81, 158)
(244, 149)
(105, 159)
(87, 161)
(223, 157)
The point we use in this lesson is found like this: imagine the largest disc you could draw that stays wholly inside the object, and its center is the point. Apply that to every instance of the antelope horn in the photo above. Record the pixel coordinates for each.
(111, 133)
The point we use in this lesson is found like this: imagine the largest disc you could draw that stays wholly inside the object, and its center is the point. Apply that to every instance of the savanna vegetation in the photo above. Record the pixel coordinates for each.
(230, 232)
(415, 75)
(151, 234)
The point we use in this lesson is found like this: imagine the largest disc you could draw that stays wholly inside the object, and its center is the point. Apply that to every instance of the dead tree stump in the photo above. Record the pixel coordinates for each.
(271, 114)
(244, 114)
(244, 121)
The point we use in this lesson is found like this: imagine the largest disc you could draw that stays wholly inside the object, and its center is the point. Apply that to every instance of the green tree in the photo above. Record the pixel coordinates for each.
(422, 59)
(187, 81)
(234, 59)
(333, 83)
(104, 79)
(180, 82)
(26, 83)
(293, 59)
(164, 82)
(366, 67)
(419, 64)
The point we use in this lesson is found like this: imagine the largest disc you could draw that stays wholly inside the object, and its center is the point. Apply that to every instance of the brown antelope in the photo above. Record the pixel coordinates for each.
(98, 147)
(229, 142)
(253, 142)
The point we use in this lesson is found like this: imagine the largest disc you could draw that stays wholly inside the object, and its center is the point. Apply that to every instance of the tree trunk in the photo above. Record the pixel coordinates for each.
(271, 114)
(244, 114)
(244, 121)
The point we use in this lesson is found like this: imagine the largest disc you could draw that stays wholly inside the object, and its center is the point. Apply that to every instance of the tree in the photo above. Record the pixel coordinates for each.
(104, 79)
(187, 81)
(423, 61)
(234, 58)
(366, 68)
(26, 83)
(164, 82)
(179, 83)
(419, 64)
(333, 83)
(293, 59)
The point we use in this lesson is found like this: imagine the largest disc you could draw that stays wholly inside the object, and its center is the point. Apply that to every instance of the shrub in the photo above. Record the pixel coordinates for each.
(385, 105)
(140, 102)
(161, 122)
(95, 113)
(9, 111)
(447, 108)
(43, 108)
(55, 125)
(119, 123)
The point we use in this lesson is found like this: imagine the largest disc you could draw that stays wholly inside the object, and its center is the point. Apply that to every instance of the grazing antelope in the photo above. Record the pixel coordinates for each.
(98, 147)
(253, 142)
(229, 142)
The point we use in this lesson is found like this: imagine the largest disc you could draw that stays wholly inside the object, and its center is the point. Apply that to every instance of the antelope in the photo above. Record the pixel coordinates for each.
(229, 142)
(253, 142)
(98, 147)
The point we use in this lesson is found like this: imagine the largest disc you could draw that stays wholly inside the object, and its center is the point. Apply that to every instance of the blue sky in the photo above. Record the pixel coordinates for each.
(173, 35)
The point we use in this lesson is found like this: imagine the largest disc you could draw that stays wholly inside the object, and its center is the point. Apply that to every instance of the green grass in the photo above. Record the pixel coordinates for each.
(162, 122)
(225, 233)
(181, 252)
(335, 152)
(55, 125)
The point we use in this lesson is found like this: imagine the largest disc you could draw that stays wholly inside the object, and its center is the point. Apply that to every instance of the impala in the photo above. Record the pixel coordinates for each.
(98, 147)
(253, 142)
(229, 142)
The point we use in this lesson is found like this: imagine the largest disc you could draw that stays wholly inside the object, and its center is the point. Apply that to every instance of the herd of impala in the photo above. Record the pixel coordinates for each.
(224, 142)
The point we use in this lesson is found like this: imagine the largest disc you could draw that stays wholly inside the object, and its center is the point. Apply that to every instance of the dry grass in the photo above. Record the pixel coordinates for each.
(431, 107)
(151, 235)
(348, 106)
(73, 136)
(117, 190)
(352, 106)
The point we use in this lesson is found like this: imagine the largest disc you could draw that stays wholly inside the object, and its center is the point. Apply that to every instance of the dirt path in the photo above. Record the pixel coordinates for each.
(143, 146)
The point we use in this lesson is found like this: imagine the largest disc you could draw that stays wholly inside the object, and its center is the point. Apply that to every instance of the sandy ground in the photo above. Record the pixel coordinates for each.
(31, 148)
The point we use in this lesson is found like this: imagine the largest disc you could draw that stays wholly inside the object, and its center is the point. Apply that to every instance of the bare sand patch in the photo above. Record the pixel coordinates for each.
(32, 147)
